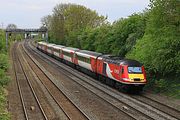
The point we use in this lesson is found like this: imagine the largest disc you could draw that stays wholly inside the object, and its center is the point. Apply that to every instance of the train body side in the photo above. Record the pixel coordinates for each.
(49, 49)
(42, 46)
(125, 71)
(87, 59)
(68, 54)
(119, 70)
(57, 51)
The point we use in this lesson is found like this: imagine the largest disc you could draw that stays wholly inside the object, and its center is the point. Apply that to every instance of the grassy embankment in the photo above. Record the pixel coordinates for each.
(4, 79)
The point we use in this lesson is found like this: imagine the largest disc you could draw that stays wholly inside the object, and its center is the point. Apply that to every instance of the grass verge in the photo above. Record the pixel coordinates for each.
(170, 87)
(4, 80)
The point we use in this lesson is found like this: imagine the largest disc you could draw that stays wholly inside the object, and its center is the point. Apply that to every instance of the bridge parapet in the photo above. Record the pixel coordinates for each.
(26, 30)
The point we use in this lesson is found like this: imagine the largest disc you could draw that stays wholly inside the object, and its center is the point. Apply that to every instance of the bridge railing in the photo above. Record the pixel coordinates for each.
(27, 30)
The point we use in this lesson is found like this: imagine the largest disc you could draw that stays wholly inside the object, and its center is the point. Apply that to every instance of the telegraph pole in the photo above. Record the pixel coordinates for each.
(6, 40)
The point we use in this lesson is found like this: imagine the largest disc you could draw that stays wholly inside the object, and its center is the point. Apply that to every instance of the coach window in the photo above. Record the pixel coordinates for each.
(81, 58)
(67, 54)
(88, 60)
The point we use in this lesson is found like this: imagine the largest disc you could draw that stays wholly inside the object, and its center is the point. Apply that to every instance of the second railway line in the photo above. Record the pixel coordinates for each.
(159, 114)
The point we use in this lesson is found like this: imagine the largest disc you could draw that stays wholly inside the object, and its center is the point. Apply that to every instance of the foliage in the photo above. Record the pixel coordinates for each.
(117, 38)
(3, 78)
(4, 115)
(11, 26)
(126, 32)
(159, 47)
(3, 61)
(2, 41)
(68, 21)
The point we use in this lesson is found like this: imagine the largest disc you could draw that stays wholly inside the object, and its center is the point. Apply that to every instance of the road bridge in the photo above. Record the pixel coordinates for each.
(44, 31)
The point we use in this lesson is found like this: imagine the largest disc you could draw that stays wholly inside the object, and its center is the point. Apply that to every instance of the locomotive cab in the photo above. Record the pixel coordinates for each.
(134, 74)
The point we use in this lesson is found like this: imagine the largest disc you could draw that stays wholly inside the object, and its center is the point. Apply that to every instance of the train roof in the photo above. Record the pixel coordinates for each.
(70, 49)
(50, 44)
(58, 46)
(89, 53)
(120, 60)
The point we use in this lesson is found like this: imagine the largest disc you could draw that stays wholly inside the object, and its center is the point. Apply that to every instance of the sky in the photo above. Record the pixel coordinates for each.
(28, 13)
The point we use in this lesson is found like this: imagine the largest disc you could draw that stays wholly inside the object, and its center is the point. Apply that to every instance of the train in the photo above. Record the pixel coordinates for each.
(125, 74)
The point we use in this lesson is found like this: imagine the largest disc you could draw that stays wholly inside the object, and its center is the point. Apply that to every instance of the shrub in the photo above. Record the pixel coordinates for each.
(3, 78)
(3, 61)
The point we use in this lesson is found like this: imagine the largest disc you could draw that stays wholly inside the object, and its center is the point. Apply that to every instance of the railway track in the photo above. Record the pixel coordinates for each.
(149, 110)
(30, 103)
(125, 114)
(60, 97)
(134, 114)
(158, 105)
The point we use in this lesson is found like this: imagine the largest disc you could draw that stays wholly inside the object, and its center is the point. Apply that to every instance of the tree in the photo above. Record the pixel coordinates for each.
(46, 21)
(68, 21)
(125, 32)
(159, 47)
(11, 26)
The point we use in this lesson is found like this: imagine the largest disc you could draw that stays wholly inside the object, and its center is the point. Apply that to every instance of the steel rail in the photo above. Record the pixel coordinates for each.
(33, 91)
(50, 93)
(19, 88)
(55, 84)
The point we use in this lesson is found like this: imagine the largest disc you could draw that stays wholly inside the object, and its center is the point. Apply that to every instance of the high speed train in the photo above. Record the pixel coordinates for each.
(126, 74)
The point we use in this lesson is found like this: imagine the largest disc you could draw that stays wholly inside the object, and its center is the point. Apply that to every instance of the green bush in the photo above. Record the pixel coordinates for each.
(3, 61)
(4, 80)
(4, 115)
(161, 85)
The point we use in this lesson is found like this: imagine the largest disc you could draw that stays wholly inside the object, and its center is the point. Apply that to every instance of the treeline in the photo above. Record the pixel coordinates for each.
(4, 65)
(4, 79)
(152, 37)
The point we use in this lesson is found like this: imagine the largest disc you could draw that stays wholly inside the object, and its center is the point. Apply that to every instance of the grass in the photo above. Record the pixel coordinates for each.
(4, 80)
(173, 90)
(4, 114)
(169, 87)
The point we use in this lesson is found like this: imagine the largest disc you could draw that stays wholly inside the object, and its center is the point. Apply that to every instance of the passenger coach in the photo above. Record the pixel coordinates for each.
(58, 51)
(116, 71)
(87, 59)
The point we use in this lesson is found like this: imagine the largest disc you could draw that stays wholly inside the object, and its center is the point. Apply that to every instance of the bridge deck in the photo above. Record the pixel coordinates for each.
(26, 30)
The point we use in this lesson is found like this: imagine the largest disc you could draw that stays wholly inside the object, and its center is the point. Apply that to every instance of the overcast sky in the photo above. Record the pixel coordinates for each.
(28, 13)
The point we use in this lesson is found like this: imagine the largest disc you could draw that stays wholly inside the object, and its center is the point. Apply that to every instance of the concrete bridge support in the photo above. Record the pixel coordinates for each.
(25, 35)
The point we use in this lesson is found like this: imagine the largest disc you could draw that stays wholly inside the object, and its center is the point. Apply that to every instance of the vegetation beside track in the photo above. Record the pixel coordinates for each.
(152, 37)
(4, 79)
